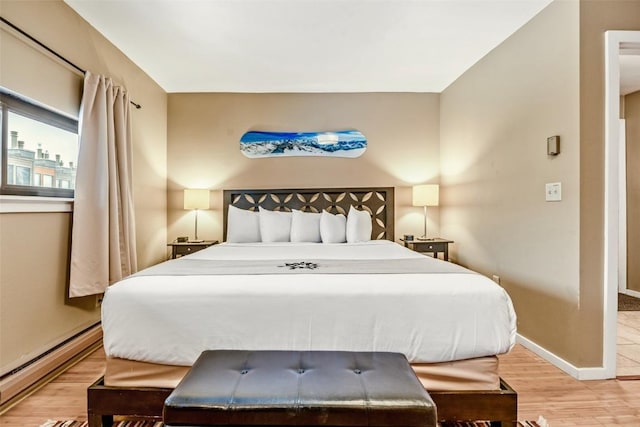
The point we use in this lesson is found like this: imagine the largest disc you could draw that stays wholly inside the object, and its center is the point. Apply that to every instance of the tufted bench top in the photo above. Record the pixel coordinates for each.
(337, 388)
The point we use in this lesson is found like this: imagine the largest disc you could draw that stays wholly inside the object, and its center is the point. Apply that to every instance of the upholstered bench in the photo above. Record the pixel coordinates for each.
(313, 388)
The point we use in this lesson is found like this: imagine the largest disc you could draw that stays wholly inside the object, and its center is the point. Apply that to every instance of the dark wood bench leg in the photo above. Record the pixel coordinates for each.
(100, 420)
(107, 420)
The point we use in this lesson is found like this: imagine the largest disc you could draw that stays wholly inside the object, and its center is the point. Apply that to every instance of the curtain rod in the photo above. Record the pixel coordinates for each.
(53, 52)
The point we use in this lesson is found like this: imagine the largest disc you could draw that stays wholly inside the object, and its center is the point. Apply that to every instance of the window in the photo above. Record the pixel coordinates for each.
(39, 149)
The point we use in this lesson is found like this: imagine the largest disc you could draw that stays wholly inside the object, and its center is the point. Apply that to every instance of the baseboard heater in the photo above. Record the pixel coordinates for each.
(48, 365)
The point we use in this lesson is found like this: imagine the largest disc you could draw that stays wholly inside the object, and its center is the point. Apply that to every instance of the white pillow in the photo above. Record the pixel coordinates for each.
(243, 226)
(358, 226)
(305, 226)
(275, 226)
(333, 228)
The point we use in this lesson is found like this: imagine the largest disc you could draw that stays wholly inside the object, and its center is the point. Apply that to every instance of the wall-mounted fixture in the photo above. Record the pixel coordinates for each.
(196, 199)
(553, 145)
(426, 195)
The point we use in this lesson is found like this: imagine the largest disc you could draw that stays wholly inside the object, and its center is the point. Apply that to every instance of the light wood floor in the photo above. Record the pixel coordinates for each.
(542, 390)
(628, 346)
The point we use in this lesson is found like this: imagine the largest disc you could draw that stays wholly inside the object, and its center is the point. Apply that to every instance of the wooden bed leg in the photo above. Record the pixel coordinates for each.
(500, 405)
(94, 421)
(103, 402)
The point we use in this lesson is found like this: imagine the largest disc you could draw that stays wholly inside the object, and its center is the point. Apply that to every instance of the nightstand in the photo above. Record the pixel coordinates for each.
(179, 249)
(434, 246)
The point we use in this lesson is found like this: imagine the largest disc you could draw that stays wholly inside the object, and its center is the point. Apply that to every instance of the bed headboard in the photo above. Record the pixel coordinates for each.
(378, 201)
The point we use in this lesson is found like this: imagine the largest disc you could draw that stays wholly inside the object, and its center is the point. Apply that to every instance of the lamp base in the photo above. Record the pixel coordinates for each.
(195, 241)
(425, 238)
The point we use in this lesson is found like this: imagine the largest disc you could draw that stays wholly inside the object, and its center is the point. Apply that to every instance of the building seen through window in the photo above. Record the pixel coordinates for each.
(37, 167)
(39, 149)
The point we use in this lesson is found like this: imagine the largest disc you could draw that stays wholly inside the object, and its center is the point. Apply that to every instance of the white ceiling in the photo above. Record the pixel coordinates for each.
(306, 45)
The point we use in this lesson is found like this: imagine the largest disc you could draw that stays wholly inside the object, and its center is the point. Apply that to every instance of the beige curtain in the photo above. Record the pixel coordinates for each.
(103, 246)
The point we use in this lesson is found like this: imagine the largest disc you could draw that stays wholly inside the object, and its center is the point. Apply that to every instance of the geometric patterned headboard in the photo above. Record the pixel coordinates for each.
(377, 201)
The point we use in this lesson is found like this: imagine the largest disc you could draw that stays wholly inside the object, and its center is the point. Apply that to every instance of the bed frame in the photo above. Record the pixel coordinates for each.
(498, 406)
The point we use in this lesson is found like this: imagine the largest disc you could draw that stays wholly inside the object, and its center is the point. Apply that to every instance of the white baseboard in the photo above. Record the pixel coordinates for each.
(15, 384)
(631, 293)
(595, 373)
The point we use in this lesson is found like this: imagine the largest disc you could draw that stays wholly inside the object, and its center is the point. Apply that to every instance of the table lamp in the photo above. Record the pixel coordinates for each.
(196, 199)
(425, 195)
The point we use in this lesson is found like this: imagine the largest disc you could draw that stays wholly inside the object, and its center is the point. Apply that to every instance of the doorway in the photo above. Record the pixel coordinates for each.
(622, 64)
(628, 338)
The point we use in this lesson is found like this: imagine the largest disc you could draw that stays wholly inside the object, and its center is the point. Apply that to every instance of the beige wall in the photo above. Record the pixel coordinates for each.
(34, 247)
(495, 120)
(595, 18)
(204, 149)
(34, 251)
(547, 79)
(632, 118)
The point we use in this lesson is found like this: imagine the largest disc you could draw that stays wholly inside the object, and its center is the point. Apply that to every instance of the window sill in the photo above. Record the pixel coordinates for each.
(24, 204)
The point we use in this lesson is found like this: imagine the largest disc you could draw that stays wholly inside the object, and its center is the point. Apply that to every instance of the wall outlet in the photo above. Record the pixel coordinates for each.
(553, 192)
(496, 278)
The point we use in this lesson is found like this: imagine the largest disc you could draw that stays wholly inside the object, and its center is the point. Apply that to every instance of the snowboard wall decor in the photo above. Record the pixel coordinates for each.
(344, 143)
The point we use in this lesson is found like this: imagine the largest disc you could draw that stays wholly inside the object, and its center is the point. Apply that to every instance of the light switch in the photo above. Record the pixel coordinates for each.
(553, 192)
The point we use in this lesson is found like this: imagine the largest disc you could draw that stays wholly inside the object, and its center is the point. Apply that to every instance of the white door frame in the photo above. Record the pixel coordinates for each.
(622, 213)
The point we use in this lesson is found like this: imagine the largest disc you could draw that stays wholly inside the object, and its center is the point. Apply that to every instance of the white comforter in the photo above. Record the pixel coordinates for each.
(428, 317)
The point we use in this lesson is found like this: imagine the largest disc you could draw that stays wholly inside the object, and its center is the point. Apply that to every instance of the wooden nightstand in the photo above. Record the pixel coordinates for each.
(179, 249)
(434, 246)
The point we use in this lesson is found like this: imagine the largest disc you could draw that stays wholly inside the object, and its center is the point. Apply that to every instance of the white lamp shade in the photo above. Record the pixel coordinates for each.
(196, 199)
(426, 195)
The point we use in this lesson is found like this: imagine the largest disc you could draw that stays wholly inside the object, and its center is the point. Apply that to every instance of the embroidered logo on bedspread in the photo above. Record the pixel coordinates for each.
(298, 265)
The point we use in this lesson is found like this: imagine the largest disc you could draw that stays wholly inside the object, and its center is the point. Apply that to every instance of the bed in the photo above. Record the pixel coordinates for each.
(362, 296)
